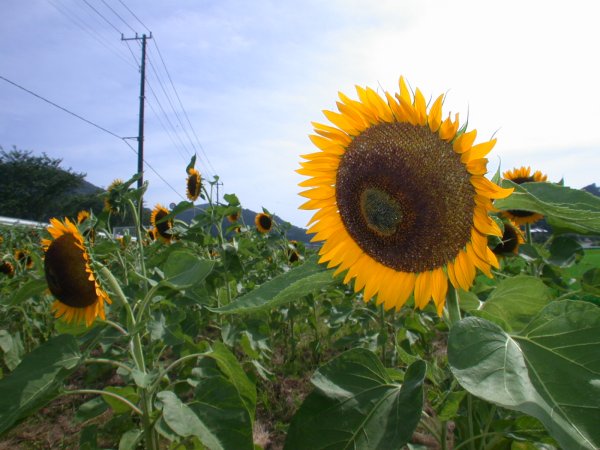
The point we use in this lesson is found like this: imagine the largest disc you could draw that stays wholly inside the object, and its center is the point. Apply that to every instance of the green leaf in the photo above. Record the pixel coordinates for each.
(37, 379)
(30, 289)
(515, 300)
(550, 370)
(290, 286)
(565, 251)
(182, 420)
(356, 404)
(130, 439)
(566, 209)
(217, 416)
(184, 269)
(219, 405)
(12, 346)
(128, 392)
(590, 281)
(233, 371)
(90, 409)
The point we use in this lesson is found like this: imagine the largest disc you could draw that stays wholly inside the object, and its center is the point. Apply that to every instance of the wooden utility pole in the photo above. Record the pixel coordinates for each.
(140, 137)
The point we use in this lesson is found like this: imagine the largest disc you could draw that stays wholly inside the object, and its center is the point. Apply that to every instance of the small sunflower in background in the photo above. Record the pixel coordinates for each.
(82, 216)
(24, 258)
(511, 239)
(7, 268)
(401, 197)
(263, 222)
(293, 252)
(112, 194)
(234, 217)
(193, 185)
(523, 175)
(79, 297)
(163, 227)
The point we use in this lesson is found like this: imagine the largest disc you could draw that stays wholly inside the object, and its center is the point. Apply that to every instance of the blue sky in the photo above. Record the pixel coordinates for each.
(252, 75)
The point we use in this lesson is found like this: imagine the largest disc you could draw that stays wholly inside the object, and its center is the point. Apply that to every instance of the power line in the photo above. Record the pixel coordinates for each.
(80, 23)
(60, 107)
(182, 108)
(101, 15)
(133, 14)
(90, 123)
(118, 15)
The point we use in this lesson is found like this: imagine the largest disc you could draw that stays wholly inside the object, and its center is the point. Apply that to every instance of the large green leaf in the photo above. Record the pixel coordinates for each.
(233, 371)
(566, 209)
(516, 300)
(37, 379)
(290, 286)
(549, 370)
(356, 405)
(184, 269)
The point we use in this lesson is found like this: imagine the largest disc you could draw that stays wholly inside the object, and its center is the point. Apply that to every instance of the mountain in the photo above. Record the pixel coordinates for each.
(293, 233)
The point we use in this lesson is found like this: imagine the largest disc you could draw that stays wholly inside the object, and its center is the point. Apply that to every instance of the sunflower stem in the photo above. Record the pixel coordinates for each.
(107, 393)
(470, 419)
(138, 230)
(528, 233)
(115, 287)
(383, 331)
(452, 306)
(111, 362)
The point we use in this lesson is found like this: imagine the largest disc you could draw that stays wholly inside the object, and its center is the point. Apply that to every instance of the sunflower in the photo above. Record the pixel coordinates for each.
(70, 277)
(24, 258)
(263, 222)
(511, 238)
(194, 183)
(163, 228)
(519, 176)
(401, 198)
(233, 217)
(7, 268)
(82, 216)
(112, 200)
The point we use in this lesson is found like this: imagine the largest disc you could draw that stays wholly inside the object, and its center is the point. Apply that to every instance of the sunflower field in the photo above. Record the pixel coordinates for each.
(426, 310)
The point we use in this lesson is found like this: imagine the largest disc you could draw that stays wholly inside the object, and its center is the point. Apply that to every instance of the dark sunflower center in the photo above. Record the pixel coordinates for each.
(519, 212)
(163, 227)
(405, 197)
(521, 180)
(265, 222)
(510, 241)
(66, 274)
(194, 185)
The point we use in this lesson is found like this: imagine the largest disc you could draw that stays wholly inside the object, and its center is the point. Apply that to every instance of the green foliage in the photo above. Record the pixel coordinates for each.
(548, 370)
(34, 187)
(356, 404)
(37, 379)
(567, 210)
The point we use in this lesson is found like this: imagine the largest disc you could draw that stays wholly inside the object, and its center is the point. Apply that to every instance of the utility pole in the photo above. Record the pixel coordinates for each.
(140, 137)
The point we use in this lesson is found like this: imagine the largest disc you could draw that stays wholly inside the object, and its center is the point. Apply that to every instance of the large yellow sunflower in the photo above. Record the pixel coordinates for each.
(519, 176)
(163, 227)
(401, 198)
(194, 183)
(70, 277)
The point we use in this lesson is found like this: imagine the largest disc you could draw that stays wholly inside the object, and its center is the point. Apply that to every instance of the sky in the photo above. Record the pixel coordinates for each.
(239, 82)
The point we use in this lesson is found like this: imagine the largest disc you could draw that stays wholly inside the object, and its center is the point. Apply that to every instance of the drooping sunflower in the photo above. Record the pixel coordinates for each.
(111, 200)
(401, 197)
(24, 258)
(523, 175)
(263, 222)
(511, 238)
(233, 217)
(82, 216)
(79, 297)
(7, 268)
(163, 228)
(194, 183)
